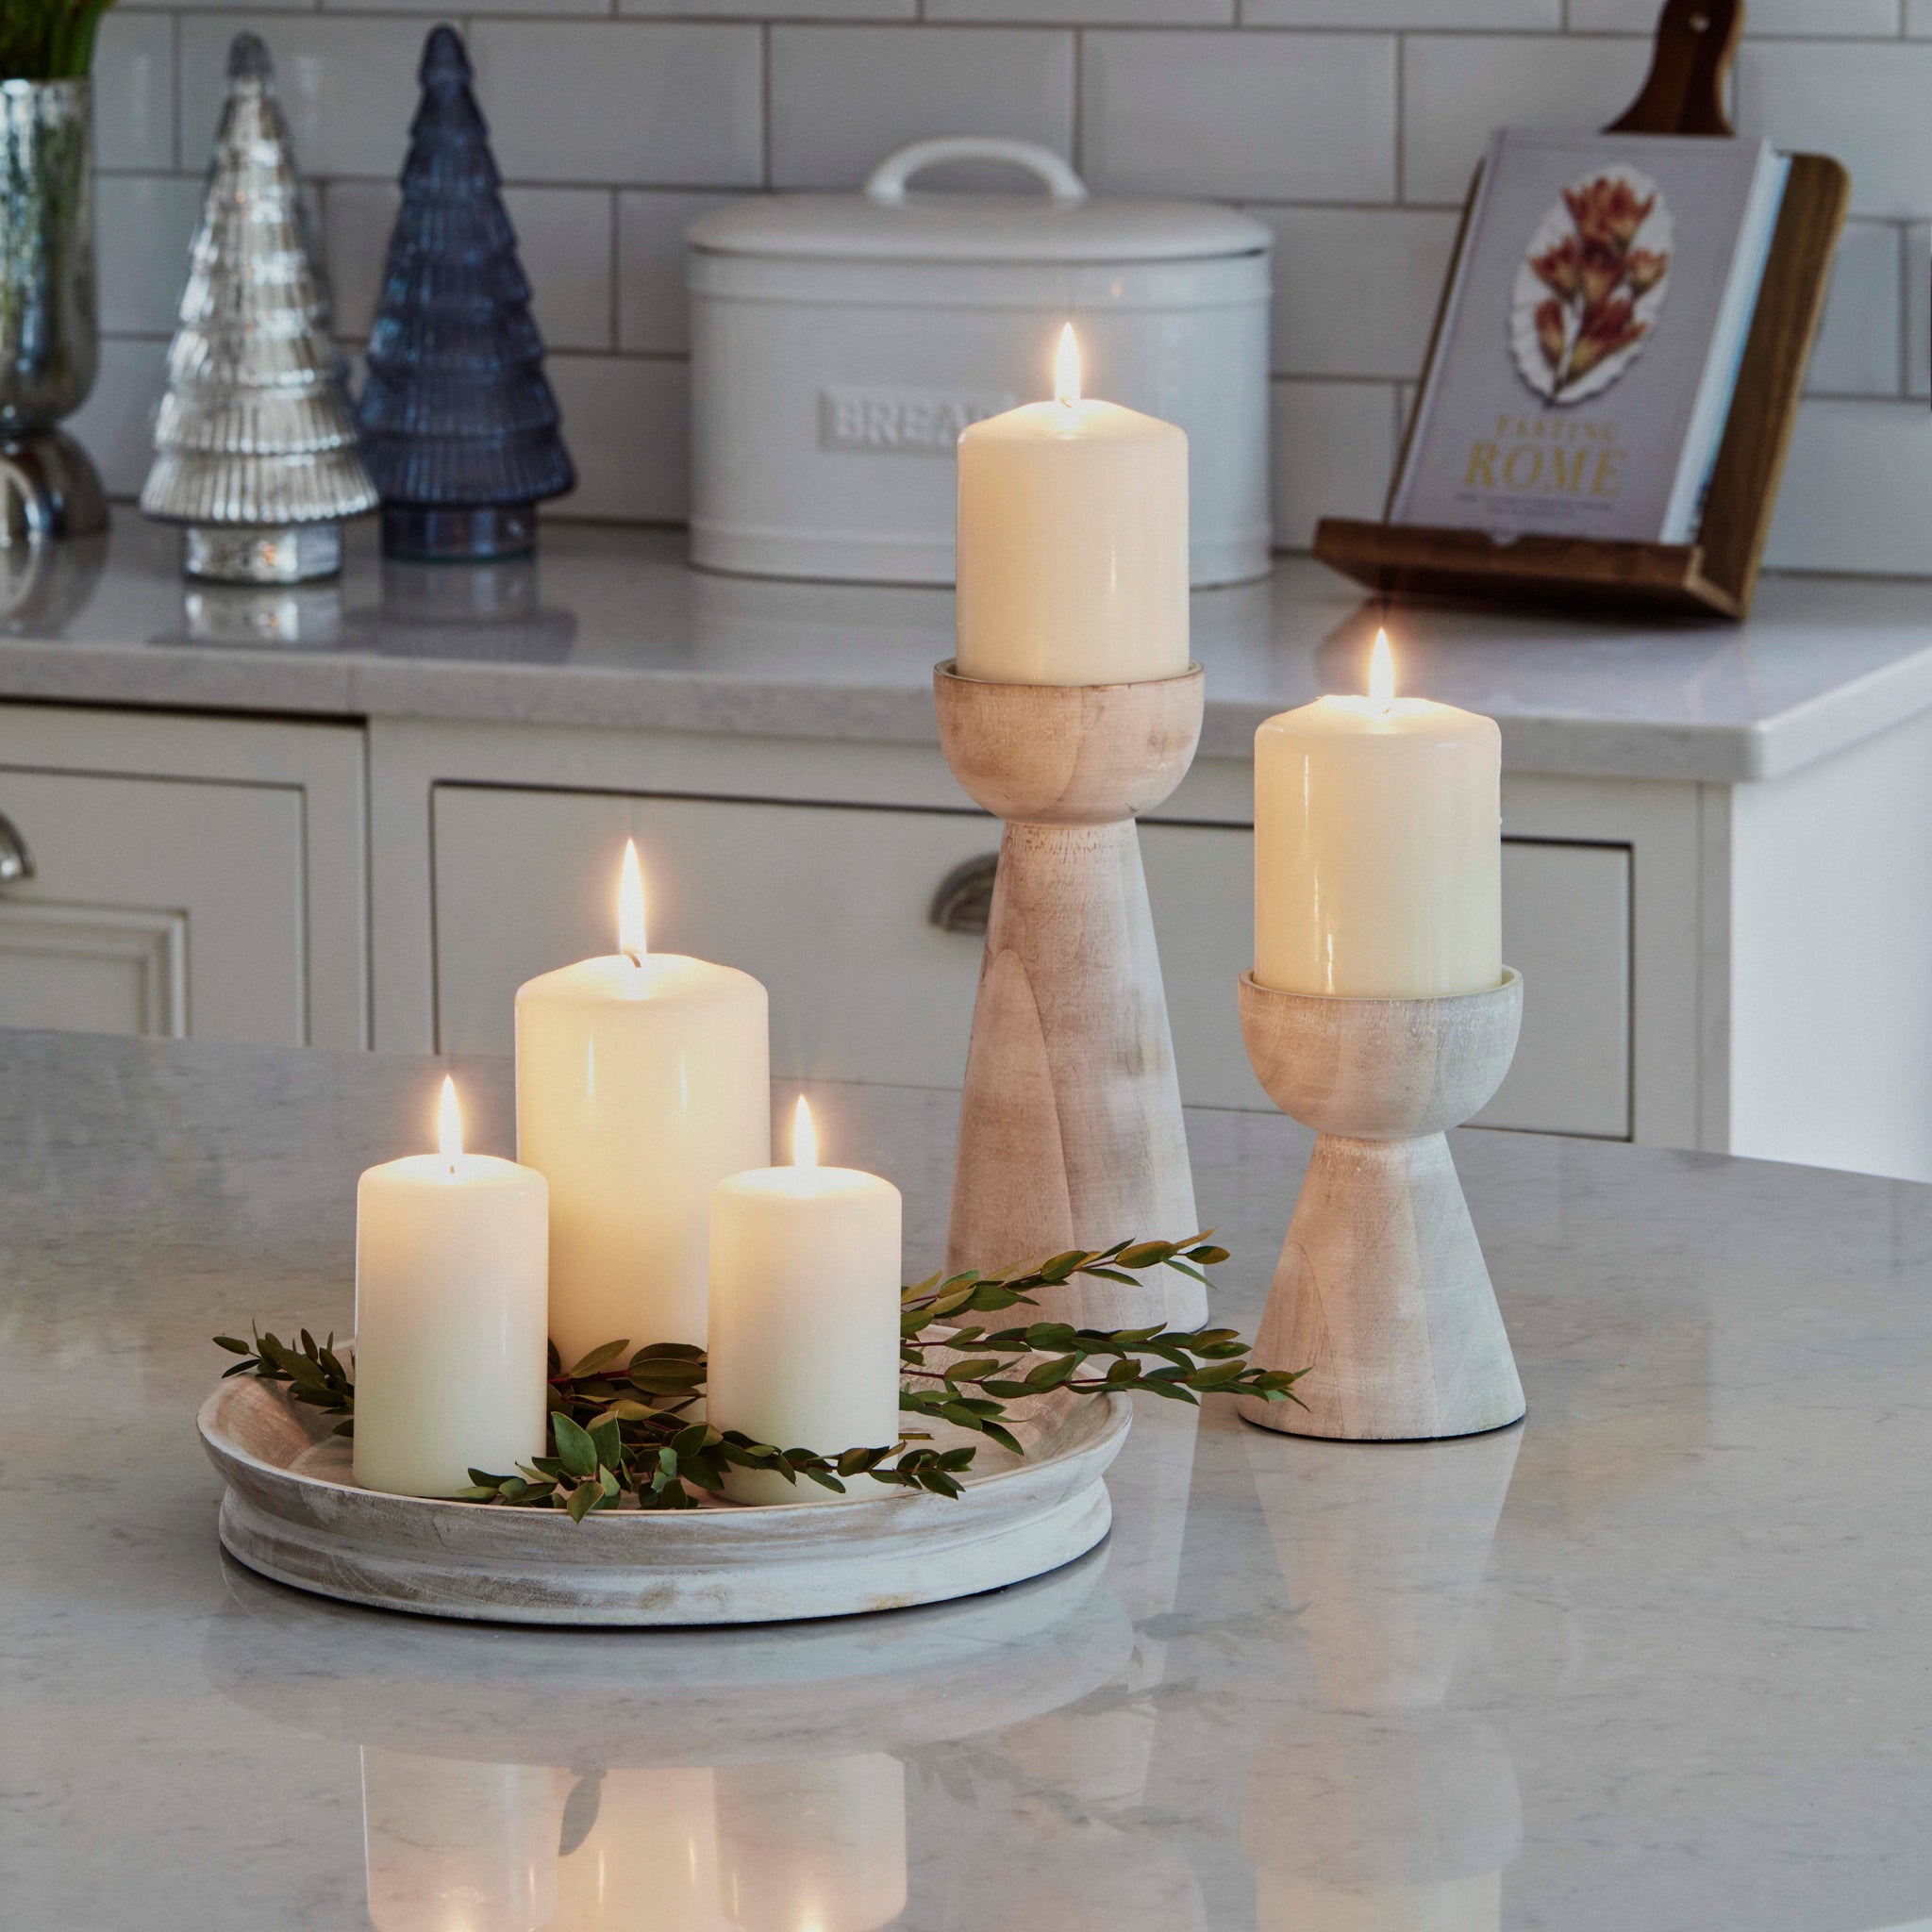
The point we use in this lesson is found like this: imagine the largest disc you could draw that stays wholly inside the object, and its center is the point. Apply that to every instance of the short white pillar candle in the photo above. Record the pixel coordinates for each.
(1378, 855)
(451, 1367)
(804, 1348)
(1073, 541)
(642, 1079)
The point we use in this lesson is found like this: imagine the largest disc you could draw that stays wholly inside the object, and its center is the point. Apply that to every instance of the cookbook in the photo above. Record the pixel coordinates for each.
(1591, 336)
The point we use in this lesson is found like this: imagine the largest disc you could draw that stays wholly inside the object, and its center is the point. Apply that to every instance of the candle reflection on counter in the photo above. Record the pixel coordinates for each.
(817, 1846)
(640, 1853)
(451, 1846)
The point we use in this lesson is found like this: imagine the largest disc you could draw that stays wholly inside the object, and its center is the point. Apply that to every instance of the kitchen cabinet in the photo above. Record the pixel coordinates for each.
(177, 878)
(832, 906)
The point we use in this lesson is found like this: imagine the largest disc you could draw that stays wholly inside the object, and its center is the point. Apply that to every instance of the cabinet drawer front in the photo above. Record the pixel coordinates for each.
(154, 907)
(827, 905)
(1566, 929)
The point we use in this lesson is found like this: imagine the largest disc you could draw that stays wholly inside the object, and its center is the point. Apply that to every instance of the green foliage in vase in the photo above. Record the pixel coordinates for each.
(620, 1424)
(49, 40)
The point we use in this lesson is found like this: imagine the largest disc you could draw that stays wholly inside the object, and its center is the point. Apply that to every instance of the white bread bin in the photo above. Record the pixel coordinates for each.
(840, 342)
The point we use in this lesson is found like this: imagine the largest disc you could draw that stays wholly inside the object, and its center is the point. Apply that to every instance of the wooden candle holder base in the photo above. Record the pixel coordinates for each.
(1070, 1128)
(1382, 1293)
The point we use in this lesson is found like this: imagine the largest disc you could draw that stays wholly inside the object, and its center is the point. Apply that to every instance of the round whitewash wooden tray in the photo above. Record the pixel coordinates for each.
(292, 1513)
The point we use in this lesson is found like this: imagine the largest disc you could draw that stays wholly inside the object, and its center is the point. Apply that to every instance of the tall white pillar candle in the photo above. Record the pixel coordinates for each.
(451, 1370)
(1378, 846)
(642, 1081)
(1073, 543)
(803, 1350)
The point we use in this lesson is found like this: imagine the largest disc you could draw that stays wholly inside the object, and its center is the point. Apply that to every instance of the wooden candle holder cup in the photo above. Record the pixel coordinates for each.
(1070, 1126)
(1382, 1293)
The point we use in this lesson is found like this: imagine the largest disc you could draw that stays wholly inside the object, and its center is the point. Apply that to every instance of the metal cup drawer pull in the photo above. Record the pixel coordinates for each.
(16, 861)
(964, 900)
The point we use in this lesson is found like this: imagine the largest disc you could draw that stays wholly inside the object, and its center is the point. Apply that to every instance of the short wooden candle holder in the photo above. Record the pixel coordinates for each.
(1382, 1293)
(1069, 1128)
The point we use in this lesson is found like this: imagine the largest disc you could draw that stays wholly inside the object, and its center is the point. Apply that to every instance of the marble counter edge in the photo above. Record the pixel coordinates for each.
(351, 686)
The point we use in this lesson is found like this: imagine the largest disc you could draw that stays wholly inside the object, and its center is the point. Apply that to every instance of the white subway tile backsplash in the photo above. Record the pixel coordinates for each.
(1351, 127)
(657, 102)
(1356, 289)
(652, 311)
(1858, 351)
(775, 9)
(143, 226)
(1878, 18)
(133, 91)
(1089, 13)
(1518, 14)
(1333, 446)
(1858, 491)
(348, 87)
(356, 217)
(626, 423)
(1867, 104)
(116, 423)
(845, 98)
(567, 242)
(1288, 117)
(1458, 89)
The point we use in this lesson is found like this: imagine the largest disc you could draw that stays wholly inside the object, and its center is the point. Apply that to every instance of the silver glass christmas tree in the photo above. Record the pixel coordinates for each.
(256, 443)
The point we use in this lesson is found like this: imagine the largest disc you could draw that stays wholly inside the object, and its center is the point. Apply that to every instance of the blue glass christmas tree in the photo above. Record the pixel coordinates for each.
(460, 426)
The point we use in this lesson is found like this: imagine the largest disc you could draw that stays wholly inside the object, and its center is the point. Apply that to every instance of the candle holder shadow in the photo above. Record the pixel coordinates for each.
(1070, 1126)
(1382, 1293)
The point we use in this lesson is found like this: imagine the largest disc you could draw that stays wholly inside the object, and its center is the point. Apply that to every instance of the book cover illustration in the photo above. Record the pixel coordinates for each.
(1591, 336)
(1592, 284)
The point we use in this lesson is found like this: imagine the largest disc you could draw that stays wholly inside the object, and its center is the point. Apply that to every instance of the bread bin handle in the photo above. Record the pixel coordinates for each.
(888, 182)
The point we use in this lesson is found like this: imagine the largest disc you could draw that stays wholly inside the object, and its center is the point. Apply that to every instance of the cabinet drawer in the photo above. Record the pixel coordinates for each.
(828, 906)
(190, 876)
(154, 907)
(1566, 929)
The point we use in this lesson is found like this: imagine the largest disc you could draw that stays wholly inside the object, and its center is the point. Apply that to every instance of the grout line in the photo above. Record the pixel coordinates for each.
(1401, 90)
(616, 323)
(765, 103)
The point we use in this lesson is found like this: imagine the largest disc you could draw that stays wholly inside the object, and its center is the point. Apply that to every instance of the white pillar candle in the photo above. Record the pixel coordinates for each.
(1073, 541)
(451, 1370)
(803, 1350)
(1378, 846)
(642, 1081)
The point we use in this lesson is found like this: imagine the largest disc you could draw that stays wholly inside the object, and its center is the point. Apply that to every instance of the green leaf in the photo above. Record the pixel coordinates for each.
(605, 1442)
(600, 1357)
(233, 1346)
(574, 1449)
(583, 1499)
(1149, 1254)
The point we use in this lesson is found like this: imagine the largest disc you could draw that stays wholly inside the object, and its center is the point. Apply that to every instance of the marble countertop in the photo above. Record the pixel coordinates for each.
(610, 627)
(1656, 1659)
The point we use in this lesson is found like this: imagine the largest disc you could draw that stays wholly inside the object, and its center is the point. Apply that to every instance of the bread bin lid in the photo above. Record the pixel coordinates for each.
(885, 221)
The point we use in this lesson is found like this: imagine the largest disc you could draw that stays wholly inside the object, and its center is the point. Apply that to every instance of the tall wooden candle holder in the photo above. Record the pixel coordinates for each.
(1069, 1128)
(1382, 1293)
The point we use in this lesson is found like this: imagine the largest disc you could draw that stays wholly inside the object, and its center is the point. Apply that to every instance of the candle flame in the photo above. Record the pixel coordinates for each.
(1066, 369)
(1382, 672)
(630, 906)
(805, 1139)
(449, 1123)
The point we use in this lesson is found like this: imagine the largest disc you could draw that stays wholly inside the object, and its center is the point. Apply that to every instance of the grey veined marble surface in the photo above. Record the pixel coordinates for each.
(608, 627)
(1657, 1659)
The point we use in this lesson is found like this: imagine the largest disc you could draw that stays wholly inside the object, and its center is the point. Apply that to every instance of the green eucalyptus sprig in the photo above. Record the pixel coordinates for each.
(620, 1428)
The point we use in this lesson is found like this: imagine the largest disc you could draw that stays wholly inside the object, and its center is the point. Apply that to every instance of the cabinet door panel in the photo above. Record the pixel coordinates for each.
(157, 907)
(827, 905)
(1566, 929)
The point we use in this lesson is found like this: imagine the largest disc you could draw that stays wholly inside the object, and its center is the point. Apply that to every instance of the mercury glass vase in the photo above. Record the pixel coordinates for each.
(49, 328)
